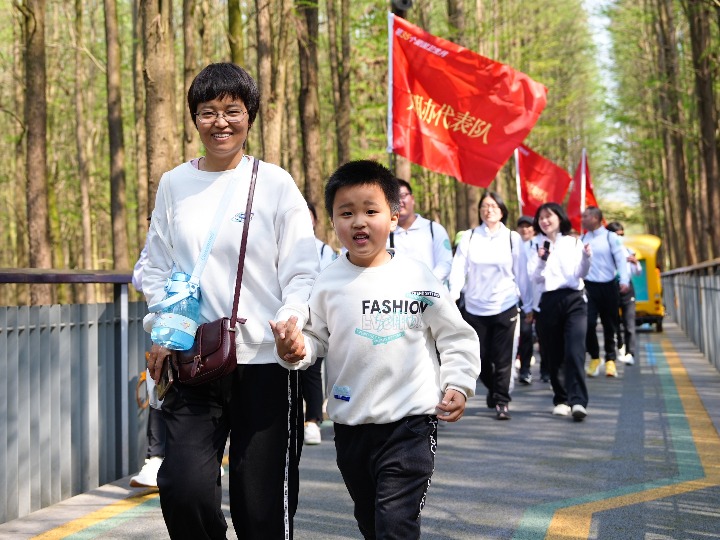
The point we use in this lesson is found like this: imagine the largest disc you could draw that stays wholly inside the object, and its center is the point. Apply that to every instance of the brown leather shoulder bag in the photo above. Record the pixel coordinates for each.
(212, 356)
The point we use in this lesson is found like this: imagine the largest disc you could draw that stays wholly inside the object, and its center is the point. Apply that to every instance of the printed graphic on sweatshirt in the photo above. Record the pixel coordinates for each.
(240, 217)
(385, 320)
(341, 392)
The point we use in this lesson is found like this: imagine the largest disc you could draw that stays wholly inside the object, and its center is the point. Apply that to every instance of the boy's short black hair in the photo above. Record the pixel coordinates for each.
(361, 172)
(555, 208)
(224, 79)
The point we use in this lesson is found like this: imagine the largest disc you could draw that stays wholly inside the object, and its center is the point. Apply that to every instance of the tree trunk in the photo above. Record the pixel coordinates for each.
(235, 33)
(292, 137)
(698, 15)
(17, 208)
(340, 70)
(191, 139)
(159, 76)
(671, 112)
(141, 164)
(272, 65)
(309, 106)
(118, 213)
(36, 158)
(87, 293)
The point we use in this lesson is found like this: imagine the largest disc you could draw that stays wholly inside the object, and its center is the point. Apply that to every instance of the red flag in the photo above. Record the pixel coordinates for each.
(452, 110)
(574, 209)
(541, 180)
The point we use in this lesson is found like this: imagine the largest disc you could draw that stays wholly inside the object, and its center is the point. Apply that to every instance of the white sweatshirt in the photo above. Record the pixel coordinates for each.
(566, 265)
(378, 328)
(426, 241)
(489, 268)
(280, 263)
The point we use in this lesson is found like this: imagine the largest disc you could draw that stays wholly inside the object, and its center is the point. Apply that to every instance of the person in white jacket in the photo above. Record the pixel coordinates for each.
(557, 271)
(399, 356)
(258, 405)
(488, 270)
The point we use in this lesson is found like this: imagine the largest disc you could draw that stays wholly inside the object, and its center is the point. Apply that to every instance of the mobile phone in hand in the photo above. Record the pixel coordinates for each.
(546, 247)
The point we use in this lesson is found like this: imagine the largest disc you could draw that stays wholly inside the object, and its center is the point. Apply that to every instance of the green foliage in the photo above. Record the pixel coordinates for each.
(612, 114)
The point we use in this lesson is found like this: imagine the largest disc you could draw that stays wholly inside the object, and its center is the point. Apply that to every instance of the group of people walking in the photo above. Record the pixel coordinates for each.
(399, 356)
(561, 282)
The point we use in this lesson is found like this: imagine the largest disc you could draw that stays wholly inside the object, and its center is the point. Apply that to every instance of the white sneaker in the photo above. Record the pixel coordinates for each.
(561, 409)
(578, 412)
(621, 351)
(312, 433)
(628, 359)
(147, 477)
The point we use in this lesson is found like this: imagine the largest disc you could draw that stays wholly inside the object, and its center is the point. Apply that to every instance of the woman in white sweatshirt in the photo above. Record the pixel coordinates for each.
(488, 268)
(258, 406)
(557, 271)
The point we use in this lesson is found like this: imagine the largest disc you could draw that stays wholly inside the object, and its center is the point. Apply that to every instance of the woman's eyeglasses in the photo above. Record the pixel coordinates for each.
(210, 117)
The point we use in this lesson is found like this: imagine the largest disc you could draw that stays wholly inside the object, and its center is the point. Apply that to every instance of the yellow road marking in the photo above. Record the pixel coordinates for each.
(103, 514)
(98, 516)
(575, 521)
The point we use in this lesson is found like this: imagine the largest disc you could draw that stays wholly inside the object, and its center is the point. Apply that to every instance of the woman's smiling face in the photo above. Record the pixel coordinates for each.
(223, 141)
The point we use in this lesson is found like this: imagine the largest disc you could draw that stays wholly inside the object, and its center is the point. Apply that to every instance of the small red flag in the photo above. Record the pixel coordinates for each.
(574, 209)
(452, 110)
(541, 180)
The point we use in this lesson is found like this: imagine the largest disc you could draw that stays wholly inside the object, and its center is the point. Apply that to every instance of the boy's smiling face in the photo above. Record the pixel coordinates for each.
(363, 221)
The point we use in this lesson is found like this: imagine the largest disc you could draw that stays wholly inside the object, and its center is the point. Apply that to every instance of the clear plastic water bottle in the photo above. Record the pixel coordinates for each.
(175, 326)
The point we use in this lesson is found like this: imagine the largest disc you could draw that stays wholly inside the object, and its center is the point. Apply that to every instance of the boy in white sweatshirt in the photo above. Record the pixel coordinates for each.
(380, 319)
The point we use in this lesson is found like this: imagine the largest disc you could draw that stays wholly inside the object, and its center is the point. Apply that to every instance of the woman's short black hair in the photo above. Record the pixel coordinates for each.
(362, 172)
(224, 79)
(555, 208)
(498, 199)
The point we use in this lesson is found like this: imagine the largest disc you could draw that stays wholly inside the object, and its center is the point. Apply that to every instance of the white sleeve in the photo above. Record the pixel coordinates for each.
(442, 252)
(458, 268)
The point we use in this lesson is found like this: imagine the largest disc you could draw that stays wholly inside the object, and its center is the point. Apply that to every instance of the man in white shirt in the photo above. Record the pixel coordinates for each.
(602, 289)
(626, 333)
(423, 240)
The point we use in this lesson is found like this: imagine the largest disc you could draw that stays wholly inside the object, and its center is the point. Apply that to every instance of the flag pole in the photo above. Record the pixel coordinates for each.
(517, 181)
(583, 180)
(391, 24)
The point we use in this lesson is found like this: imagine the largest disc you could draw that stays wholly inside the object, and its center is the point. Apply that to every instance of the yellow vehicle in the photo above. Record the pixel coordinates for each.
(649, 306)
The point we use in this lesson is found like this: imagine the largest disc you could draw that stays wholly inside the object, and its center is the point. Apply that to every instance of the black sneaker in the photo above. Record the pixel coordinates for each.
(501, 410)
(545, 378)
(525, 378)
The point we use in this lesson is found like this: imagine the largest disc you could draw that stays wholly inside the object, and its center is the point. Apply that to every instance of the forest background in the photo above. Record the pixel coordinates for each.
(93, 111)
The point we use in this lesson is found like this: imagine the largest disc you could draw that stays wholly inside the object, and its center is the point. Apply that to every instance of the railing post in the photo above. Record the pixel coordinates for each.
(121, 301)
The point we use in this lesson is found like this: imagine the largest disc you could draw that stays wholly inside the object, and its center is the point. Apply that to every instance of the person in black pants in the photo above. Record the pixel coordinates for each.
(525, 345)
(626, 330)
(606, 281)
(557, 272)
(311, 378)
(489, 269)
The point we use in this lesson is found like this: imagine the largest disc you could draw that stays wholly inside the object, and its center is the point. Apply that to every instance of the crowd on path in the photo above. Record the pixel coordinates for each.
(386, 338)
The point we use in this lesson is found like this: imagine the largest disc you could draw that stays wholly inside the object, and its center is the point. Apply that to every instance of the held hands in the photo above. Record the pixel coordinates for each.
(155, 359)
(289, 340)
(452, 406)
